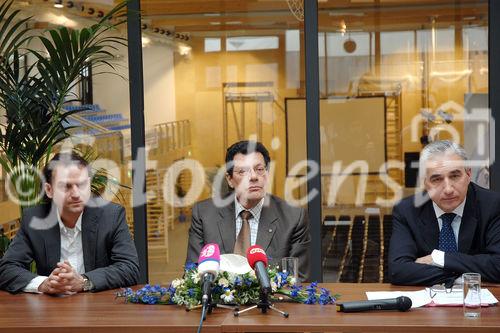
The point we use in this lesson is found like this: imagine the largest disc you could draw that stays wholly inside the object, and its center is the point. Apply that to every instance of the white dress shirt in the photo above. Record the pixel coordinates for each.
(71, 251)
(437, 255)
(253, 221)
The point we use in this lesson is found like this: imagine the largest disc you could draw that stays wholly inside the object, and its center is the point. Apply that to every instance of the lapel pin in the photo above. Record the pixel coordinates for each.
(270, 230)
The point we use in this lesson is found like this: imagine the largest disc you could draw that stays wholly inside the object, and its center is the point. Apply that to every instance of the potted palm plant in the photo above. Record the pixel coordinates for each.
(33, 93)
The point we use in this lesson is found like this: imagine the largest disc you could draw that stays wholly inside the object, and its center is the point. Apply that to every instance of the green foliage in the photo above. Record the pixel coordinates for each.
(32, 95)
(229, 288)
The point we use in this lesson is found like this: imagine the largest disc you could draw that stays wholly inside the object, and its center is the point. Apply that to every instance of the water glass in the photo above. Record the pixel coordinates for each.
(290, 265)
(472, 294)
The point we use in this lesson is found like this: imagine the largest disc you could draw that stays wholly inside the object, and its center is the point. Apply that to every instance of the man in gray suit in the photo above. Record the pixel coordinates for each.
(250, 216)
(78, 243)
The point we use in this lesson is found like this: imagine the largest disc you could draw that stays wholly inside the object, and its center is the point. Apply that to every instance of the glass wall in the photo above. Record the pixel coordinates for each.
(393, 77)
(224, 78)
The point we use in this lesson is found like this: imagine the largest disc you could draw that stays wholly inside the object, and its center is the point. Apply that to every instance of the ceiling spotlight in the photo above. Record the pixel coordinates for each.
(100, 13)
(168, 33)
(162, 31)
(70, 4)
(58, 4)
(144, 26)
(91, 11)
(156, 30)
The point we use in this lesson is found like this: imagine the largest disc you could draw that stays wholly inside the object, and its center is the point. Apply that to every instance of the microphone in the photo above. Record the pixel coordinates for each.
(257, 259)
(208, 268)
(401, 303)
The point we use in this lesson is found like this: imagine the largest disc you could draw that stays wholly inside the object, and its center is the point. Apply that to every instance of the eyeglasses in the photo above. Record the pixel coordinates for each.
(440, 289)
(259, 171)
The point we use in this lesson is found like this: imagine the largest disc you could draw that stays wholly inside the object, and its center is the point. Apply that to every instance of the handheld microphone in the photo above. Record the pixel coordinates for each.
(401, 303)
(257, 259)
(208, 268)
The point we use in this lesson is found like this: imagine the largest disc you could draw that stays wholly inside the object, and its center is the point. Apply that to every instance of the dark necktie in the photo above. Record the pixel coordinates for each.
(447, 241)
(243, 239)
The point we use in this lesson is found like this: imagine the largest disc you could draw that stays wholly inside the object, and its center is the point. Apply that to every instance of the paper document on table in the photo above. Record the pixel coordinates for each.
(455, 298)
(423, 297)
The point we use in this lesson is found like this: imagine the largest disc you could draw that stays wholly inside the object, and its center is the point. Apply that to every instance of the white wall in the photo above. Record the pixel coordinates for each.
(159, 84)
(112, 92)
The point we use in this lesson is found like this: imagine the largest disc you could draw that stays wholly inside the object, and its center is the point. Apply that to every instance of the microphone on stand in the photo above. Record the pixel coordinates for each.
(257, 259)
(208, 268)
(401, 303)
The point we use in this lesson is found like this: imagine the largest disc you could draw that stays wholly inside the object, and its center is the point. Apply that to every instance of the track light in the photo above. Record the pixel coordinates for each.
(70, 4)
(91, 11)
(58, 4)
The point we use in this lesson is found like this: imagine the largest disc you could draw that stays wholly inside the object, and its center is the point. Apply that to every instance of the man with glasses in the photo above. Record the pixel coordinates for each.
(456, 231)
(78, 243)
(250, 216)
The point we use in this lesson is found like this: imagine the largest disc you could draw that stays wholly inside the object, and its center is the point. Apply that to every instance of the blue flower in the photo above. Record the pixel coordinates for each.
(294, 292)
(311, 299)
(248, 282)
(217, 289)
(324, 299)
(128, 292)
(190, 266)
(237, 281)
(191, 292)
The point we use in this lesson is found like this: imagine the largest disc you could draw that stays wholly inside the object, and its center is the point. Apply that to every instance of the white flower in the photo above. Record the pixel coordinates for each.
(274, 286)
(228, 296)
(252, 274)
(223, 282)
(293, 281)
(196, 278)
(177, 283)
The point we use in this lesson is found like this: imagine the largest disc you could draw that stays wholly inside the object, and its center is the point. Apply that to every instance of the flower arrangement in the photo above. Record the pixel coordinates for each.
(228, 289)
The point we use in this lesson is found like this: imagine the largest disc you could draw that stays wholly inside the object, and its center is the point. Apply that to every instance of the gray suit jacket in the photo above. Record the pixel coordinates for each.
(109, 254)
(283, 231)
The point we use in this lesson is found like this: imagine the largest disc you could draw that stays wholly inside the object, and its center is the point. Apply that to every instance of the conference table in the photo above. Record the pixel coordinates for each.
(103, 312)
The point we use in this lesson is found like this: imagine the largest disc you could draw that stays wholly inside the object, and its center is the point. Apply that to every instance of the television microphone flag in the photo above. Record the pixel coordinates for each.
(209, 259)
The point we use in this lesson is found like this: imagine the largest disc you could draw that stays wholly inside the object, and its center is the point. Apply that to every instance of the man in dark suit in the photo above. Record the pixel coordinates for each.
(78, 243)
(457, 231)
(249, 216)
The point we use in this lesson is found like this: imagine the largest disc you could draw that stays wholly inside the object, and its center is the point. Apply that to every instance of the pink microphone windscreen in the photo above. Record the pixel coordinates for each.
(209, 252)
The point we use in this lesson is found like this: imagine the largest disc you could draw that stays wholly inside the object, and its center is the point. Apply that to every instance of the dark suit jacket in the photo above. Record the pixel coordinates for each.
(283, 231)
(416, 234)
(109, 254)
